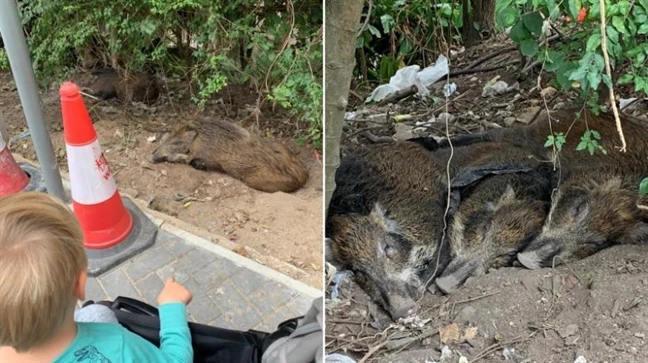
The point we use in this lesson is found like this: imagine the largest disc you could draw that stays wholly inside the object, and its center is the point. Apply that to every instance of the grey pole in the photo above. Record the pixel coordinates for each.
(4, 134)
(23, 73)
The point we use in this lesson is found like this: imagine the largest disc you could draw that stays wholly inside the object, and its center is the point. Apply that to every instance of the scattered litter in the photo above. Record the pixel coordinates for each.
(403, 132)
(495, 87)
(337, 280)
(445, 117)
(446, 354)
(463, 359)
(350, 115)
(409, 76)
(580, 359)
(151, 139)
(548, 92)
(449, 89)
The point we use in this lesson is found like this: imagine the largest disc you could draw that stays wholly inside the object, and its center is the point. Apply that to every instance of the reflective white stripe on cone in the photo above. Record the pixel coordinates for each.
(90, 176)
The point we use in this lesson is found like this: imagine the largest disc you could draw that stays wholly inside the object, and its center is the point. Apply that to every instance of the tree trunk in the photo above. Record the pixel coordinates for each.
(483, 14)
(341, 27)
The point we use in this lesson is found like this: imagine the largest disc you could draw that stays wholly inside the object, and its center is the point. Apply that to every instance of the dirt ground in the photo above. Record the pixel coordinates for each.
(595, 308)
(287, 227)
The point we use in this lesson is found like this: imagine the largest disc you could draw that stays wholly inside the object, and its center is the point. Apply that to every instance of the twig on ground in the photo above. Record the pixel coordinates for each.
(608, 71)
(498, 346)
(375, 139)
(373, 350)
(479, 70)
(399, 95)
(490, 56)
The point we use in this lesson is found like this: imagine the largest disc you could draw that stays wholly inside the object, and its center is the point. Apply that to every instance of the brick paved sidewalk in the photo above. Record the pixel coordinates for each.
(229, 290)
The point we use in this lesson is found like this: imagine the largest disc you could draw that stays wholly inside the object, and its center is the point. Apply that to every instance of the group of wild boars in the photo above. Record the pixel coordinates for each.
(596, 203)
(386, 218)
(216, 145)
(510, 202)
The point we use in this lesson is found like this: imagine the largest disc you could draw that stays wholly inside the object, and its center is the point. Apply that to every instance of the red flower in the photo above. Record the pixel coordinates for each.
(581, 15)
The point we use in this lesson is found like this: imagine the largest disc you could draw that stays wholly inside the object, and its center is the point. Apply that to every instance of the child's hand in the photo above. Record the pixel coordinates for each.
(174, 292)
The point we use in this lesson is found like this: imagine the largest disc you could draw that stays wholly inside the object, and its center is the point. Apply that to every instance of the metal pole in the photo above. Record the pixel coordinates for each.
(23, 73)
(4, 134)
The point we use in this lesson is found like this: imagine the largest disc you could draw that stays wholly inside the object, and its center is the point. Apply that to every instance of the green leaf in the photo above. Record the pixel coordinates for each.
(550, 141)
(519, 33)
(374, 31)
(618, 23)
(554, 61)
(387, 21)
(579, 74)
(529, 47)
(625, 79)
(587, 135)
(507, 17)
(594, 79)
(640, 83)
(607, 80)
(581, 146)
(563, 74)
(533, 22)
(596, 135)
(612, 34)
(574, 8)
(643, 187)
(643, 29)
(593, 42)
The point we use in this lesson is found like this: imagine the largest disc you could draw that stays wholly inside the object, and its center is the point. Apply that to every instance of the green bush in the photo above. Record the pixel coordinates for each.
(206, 42)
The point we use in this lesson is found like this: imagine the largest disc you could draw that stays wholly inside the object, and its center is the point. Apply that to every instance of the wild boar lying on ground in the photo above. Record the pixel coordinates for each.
(593, 209)
(216, 145)
(127, 87)
(385, 221)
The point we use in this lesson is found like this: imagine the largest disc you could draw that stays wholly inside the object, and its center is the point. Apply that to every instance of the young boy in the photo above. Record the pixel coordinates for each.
(43, 275)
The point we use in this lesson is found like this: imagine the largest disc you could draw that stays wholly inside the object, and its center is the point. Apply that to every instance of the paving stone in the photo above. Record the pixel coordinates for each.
(176, 246)
(147, 263)
(300, 304)
(273, 320)
(194, 261)
(116, 284)
(244, 317)
(271, 296)
(246, 281)
(227, 298)
(216, 272)
(150, 288)
(203, 309)
(222, 321)
(94, 291)
(173, 270)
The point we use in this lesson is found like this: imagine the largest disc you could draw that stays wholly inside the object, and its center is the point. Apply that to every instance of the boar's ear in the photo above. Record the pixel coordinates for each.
(190, 135)
(380, 217)
(508, 196)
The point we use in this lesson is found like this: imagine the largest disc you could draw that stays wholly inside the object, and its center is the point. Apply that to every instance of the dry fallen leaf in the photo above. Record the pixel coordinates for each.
(450, 334)
(470, 333)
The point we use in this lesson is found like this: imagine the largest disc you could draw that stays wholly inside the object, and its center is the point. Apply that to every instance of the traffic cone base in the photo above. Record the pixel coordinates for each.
(108, 230)
(12, 178)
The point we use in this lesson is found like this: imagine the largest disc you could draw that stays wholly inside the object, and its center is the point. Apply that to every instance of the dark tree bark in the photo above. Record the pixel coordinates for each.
(483, 14)
(340, 32)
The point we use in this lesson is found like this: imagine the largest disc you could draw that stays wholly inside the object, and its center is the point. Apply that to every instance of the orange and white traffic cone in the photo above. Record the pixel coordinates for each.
(95, 199)
(12, 178)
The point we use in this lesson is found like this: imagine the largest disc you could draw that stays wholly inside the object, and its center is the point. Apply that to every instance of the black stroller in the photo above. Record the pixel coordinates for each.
(211, 344)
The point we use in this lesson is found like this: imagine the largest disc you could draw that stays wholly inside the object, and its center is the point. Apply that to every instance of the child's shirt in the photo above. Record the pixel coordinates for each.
(112, 343)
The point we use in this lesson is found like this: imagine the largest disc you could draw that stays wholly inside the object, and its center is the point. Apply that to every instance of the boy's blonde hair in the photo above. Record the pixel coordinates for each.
(41, 257)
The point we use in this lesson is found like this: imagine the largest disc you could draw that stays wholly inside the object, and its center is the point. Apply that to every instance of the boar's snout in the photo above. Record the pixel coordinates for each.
(540, 253)
(401, 307)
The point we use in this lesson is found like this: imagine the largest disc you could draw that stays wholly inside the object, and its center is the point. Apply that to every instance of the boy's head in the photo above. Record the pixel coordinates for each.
(42, 268)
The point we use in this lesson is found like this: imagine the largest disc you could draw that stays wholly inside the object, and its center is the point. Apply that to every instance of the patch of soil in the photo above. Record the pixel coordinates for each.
(287, 227)
(596, 308)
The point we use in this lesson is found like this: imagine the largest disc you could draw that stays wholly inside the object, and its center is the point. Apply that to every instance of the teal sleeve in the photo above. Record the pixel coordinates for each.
(175, 338)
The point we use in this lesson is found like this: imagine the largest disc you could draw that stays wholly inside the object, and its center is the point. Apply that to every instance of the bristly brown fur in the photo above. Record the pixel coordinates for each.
(216, 145)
